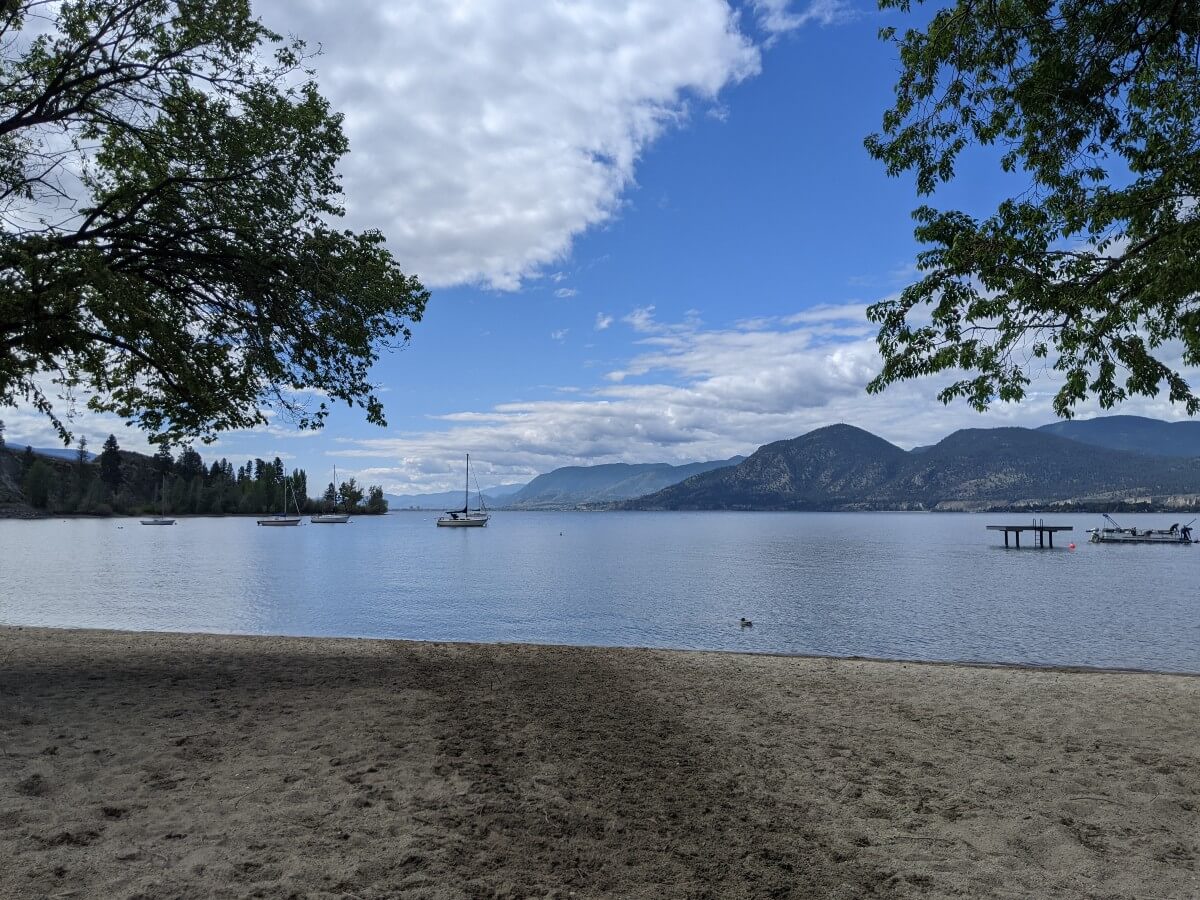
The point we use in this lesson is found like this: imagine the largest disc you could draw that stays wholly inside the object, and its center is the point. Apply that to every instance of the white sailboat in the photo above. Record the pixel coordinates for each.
(333, 518)
(283, 518)
(161, 520)
(466, 517)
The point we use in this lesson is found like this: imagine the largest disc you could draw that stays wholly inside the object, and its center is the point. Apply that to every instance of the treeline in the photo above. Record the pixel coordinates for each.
(124, 483)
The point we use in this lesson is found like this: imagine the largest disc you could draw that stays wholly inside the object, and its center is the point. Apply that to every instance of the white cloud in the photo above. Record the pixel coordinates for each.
(687, 392)
(559, 334)
(485, 136)
(642, 320)
(778, 16)
(603, 321)
(693, 393)
(565, 293)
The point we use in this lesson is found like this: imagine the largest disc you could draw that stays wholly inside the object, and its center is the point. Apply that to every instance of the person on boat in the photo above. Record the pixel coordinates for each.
(1186, 532)
(1174, 529)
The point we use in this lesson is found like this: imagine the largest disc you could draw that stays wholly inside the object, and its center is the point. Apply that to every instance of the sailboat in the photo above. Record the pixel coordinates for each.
(466, 517)
(333, 518)
(283, 518)
(161, 520)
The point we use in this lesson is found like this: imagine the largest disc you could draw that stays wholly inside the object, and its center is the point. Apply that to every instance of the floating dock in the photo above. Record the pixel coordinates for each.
(1043, 534)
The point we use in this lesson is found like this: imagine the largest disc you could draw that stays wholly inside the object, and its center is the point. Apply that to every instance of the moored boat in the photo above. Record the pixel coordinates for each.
(283, 519)
(330, 518)
(466, 517)
(161, 519)
(1113, 533)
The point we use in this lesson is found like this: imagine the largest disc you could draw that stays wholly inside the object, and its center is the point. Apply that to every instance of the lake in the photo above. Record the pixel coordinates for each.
(900, 585)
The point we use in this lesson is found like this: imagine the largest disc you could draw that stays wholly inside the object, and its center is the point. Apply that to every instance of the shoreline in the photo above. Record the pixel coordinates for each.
(176, 764)
(41, 517)
(1089, 510)
(1000, 665)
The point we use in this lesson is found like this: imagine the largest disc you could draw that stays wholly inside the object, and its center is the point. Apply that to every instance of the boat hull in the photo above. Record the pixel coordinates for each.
(158, 521)
(280, 521)
(476, 522)
(1100, 538)
(329, 519)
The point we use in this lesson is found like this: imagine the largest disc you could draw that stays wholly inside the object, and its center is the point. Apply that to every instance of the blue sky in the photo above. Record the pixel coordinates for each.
(650, 229)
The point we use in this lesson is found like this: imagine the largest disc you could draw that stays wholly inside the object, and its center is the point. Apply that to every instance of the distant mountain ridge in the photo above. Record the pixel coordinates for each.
(69, 453)
(1136, 434)
(843, 467)
(493, 496)
(573, 486)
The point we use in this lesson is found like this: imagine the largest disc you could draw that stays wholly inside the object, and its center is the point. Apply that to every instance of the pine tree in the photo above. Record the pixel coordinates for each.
(189, 465)
(83, 476)
(164, 463)
(110, 464)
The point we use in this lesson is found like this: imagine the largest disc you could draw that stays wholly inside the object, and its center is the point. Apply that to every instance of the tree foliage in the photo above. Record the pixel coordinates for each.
(183, 486)
(37, 483)
(167, 184)
(1091, 268)
(350, 495)
(376, 503)
(110, 463)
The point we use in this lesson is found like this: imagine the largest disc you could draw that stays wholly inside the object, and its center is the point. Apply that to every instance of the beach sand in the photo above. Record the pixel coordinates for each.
(154, 765)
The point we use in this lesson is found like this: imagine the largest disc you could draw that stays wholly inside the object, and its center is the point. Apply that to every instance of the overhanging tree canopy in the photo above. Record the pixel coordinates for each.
(167, 180)
(1093, 268)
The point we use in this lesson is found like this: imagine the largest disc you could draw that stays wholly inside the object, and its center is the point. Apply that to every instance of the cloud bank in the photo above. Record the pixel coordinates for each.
(691, 392)
(485, 136)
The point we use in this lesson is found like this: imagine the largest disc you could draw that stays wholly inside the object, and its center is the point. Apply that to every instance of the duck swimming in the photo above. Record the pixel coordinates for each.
(746, 623)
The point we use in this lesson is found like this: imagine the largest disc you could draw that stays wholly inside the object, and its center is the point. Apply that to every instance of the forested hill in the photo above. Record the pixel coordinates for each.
(1136, 434)
(571, 486)
(121, 482)
(843, 467)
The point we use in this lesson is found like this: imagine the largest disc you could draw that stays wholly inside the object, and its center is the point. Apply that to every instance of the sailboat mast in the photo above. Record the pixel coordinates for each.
(467, 487)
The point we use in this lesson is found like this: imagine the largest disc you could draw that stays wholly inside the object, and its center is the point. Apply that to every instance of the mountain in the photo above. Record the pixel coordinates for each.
(503, 490)
(572, 486)
(68, 453)
(843, 467)
(1136, 434)
(1018, 464)
(493, 496)
(829, 467)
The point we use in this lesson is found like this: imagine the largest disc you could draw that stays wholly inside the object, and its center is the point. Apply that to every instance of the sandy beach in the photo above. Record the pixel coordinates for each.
(154, 765)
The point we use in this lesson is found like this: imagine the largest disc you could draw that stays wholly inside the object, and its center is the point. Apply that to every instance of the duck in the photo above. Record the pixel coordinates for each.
(746, 623)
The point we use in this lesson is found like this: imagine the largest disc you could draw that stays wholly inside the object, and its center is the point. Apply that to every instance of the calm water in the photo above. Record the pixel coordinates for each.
(906, 585)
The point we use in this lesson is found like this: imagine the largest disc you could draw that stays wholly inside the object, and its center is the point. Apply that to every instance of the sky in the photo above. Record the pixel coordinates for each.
(650, 229)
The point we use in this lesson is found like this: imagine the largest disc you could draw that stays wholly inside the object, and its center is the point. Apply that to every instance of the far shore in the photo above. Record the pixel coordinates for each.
(43, 516)
(190, 765)
(1024, 512)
